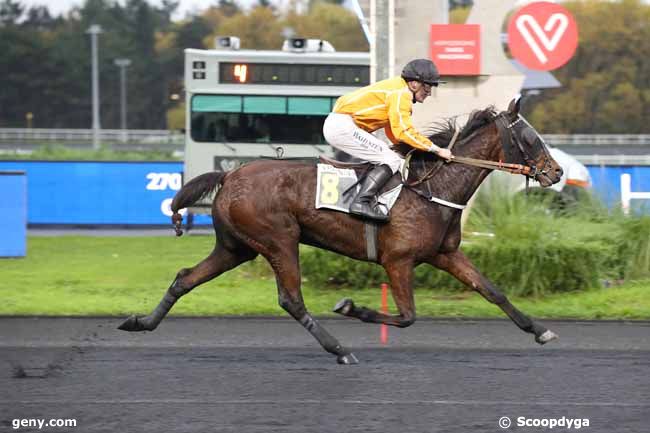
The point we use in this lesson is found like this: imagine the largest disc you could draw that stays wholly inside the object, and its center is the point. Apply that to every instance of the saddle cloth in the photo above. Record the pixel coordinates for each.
(336, 188)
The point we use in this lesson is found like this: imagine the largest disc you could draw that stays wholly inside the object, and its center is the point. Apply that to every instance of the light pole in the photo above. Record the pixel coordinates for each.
(123, 64)
(93, 31)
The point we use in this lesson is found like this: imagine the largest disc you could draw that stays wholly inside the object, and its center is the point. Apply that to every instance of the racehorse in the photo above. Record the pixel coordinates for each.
(267, 207)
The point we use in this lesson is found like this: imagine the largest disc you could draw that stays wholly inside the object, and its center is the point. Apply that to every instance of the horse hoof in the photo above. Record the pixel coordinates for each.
(132, 324)
(546, 337)
(348, 359)
(344, 306)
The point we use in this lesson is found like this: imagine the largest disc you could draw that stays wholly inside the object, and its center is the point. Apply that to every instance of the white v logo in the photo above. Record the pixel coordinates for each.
(524, 22)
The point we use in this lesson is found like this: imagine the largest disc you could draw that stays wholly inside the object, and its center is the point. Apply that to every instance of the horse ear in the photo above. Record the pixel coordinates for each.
(514, 107)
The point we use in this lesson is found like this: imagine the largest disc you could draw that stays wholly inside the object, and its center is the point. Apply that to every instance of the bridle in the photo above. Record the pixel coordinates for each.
(508, 135)
(509, 141)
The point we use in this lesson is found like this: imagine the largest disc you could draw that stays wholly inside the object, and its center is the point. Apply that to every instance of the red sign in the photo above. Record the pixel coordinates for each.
(456, 48)
(543, 36)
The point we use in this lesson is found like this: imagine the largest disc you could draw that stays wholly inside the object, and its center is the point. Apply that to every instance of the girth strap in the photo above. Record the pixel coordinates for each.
(371, 240)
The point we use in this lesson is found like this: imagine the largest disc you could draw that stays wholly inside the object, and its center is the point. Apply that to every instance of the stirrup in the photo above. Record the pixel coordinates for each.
(366, 210)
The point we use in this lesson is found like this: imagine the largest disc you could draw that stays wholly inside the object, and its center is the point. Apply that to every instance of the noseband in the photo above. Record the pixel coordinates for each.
(510, 139)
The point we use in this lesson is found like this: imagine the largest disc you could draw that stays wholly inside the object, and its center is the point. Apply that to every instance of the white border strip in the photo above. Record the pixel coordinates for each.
(325, 402)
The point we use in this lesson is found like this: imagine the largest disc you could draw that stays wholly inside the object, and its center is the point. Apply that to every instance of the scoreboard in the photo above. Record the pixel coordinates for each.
(297, 74)
(249, 71)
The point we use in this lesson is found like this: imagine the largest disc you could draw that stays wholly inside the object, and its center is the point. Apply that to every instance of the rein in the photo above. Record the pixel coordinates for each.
(428, 175)
(482, 163)
(501, 166)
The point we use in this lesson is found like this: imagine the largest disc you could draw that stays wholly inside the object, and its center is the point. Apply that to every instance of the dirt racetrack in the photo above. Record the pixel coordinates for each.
(268, 375)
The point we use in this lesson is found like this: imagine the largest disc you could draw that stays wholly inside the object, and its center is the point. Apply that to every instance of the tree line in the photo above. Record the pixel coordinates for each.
(606, 85)
(45, 61)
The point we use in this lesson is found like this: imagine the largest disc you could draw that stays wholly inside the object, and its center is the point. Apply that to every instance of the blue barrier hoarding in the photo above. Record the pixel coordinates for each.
(115, 193)
(13, 208)
(140, 193)
(626, 186)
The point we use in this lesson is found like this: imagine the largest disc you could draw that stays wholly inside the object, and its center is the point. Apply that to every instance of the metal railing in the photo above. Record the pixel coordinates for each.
(153, 136)
(577, 140)
(176, 137)
(596, 159)
(631, 148)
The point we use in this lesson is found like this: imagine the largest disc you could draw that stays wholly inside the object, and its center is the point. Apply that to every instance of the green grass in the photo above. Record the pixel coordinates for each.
(122, 275)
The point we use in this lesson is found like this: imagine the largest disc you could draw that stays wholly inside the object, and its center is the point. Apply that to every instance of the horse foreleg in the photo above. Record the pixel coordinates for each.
(218, 262)
(458, 265)
(287, 272)
(400, 274)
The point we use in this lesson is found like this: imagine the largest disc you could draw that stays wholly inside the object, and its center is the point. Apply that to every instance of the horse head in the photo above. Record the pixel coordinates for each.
(511, 140)
(522, 144)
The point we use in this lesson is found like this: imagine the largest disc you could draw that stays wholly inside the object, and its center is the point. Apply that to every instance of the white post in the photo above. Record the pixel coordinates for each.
(364, 22)
(123, 64)
(93, 31)
(373, 41)
(391, 38)
(381, 30)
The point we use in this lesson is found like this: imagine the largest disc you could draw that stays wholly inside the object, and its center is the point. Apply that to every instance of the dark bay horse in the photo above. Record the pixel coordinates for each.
(267, 207)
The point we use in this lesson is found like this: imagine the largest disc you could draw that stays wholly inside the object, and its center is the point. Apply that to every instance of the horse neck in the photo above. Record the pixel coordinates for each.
(457, 182)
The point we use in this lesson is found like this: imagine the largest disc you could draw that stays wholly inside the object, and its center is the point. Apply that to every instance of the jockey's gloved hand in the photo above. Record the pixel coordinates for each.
(442, 152)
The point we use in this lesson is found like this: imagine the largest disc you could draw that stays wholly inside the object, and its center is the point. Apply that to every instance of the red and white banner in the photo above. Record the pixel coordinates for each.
(543, 36)
(456, 48)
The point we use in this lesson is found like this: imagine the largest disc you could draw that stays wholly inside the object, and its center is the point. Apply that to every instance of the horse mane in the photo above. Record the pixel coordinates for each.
(443, 132)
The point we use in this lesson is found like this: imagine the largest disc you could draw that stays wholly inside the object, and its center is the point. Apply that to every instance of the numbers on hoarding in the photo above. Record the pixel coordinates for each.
(166, 208)
(163, 181)
(627, 195)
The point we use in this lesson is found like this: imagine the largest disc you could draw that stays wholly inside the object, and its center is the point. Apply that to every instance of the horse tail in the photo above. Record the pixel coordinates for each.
(193, 191)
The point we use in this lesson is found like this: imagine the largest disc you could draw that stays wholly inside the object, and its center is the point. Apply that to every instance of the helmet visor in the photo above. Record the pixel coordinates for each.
(433, 83)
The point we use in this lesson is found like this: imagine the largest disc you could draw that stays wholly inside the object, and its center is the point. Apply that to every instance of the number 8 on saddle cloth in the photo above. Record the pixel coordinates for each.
(335, 189)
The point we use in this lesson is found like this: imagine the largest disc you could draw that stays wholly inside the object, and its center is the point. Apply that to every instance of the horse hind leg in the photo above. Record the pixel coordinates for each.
(218, 262)
(400, 274)
(287, 271)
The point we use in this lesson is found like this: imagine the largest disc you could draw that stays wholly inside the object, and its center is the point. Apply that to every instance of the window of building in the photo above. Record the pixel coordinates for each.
(259, 119)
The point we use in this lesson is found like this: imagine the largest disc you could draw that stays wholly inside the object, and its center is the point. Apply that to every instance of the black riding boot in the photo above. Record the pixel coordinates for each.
(365, 202)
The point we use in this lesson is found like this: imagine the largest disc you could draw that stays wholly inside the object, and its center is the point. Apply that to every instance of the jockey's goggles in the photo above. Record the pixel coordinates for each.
(432, 83)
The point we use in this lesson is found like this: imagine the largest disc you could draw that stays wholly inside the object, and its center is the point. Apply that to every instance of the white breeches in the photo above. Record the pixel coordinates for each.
(341, 132)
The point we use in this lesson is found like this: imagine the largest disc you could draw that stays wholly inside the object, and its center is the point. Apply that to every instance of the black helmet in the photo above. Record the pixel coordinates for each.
(422, 70)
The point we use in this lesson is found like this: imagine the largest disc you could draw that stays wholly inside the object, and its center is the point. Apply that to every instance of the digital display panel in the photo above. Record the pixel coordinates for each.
(305, 74)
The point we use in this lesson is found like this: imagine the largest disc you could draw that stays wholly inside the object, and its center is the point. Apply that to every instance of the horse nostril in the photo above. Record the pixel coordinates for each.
(559, 171)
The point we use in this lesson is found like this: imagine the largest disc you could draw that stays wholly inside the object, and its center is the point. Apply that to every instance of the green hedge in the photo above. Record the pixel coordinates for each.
(634, 247)
(531, 250)
(517, 267)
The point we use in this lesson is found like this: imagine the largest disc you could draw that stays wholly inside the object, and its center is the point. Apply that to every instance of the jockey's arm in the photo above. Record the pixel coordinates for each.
(401, 125)
(390, 135)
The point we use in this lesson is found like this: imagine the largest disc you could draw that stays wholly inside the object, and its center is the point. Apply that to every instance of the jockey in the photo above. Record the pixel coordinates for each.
(385, 104)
